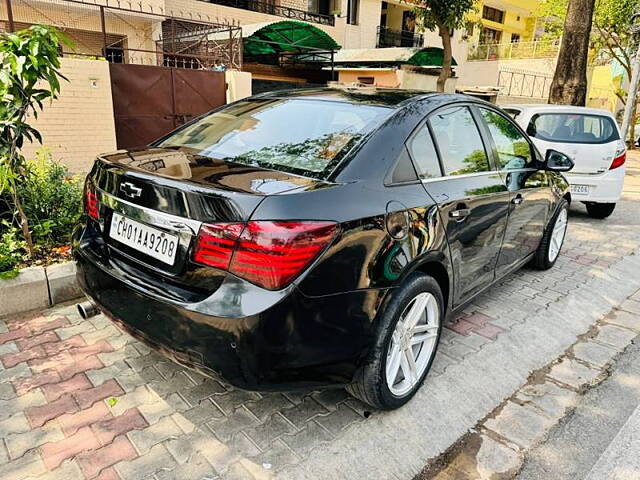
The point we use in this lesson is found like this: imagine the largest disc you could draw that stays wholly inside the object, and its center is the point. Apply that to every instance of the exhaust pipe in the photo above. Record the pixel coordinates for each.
(88, 309)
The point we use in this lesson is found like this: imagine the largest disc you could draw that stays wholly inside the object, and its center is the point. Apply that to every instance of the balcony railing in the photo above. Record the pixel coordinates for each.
(398, 38)
(278, 10)
(516, 50)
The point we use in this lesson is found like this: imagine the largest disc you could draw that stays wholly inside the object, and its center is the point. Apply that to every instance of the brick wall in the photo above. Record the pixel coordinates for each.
(78, 125)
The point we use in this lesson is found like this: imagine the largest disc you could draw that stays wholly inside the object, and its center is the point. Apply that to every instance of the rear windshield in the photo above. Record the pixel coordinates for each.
(573, 128)
(302, 136)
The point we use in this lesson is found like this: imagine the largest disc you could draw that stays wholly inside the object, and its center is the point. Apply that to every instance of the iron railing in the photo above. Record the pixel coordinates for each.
(524, 83)
(515, 50)
(277, 10)
(388, 37)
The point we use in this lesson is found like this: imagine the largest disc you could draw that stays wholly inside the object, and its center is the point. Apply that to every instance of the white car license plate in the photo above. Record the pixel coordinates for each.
(580, 189)
(143, 238)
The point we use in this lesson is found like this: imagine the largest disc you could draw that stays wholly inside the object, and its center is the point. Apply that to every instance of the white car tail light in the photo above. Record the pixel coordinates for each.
(620, 156)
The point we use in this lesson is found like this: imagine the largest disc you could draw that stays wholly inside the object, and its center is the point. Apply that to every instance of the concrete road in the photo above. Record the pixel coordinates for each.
(601, 440)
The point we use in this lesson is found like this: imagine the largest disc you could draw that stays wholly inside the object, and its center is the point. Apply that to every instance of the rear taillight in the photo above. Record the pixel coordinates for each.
(619, 160)
(216, 243)
(271, 254)
(91, 203)
(268, 253)
(620, 156)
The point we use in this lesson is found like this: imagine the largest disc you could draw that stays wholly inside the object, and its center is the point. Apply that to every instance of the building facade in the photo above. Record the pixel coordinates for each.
(501, 21)
(353, 24)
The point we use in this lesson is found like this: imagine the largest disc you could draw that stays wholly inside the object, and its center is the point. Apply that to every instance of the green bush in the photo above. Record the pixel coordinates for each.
(52, 200)
(12, 250)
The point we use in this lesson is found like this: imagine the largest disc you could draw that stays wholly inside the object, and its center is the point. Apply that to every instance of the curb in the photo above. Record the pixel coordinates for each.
(38, 287)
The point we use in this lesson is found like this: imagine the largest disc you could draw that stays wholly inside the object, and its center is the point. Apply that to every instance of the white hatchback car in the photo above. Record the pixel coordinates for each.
(591, 138)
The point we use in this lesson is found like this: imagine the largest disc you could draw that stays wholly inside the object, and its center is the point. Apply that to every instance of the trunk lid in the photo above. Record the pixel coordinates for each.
(170, 177)
(166, 195)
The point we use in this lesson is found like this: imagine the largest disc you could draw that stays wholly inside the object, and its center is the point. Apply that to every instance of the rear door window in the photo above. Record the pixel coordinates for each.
(514, 150)
(403, 171)
(301, 136)
(459, 142)
(573, 128)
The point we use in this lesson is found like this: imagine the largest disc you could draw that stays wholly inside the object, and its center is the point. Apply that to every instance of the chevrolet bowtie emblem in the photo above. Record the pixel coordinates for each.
(130, 190)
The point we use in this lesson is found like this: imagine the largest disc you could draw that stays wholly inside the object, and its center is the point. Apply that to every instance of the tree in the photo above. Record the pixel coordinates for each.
(445, 16)
(552, 14)
(29, 75)
(569, 85)
(612, 29)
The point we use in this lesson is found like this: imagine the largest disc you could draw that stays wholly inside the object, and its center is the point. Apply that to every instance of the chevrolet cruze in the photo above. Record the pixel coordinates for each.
(317, 237)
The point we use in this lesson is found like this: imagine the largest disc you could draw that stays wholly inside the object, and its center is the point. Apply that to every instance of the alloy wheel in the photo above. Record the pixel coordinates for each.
(557, 236)
(413, 344)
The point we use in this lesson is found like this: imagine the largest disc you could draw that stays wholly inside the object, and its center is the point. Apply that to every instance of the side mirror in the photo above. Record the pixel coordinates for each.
(557, 161)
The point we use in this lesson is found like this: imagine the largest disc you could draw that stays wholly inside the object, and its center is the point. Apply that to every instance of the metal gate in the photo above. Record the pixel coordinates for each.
(150, 101)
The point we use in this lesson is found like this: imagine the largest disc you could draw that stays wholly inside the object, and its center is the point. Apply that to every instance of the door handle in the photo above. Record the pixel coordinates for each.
(517, 200)
(460, 213)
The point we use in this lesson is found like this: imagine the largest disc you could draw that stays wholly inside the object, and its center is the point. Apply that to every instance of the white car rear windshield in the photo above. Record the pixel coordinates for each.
(573, 128)
(307, 137)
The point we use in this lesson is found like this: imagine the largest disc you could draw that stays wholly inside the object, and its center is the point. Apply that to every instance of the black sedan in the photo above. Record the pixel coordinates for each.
(317, 237)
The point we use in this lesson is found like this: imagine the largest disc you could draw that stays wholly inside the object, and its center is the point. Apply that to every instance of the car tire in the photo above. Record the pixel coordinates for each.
(600, 210)
(549, 250)
(370, 383)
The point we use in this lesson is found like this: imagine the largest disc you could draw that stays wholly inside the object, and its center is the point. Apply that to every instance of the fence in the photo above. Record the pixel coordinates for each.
(131, 32)
(516, 50)
(523, 83)
(271, 8)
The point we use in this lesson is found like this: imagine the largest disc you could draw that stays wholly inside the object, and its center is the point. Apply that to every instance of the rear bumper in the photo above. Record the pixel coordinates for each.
(280, 343)
(605, 188)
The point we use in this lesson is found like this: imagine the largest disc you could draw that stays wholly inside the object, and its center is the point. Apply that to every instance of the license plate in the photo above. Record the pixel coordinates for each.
(143, 238)
(580, 189)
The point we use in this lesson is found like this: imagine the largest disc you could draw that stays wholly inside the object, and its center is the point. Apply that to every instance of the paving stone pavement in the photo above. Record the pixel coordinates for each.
(79, 399)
